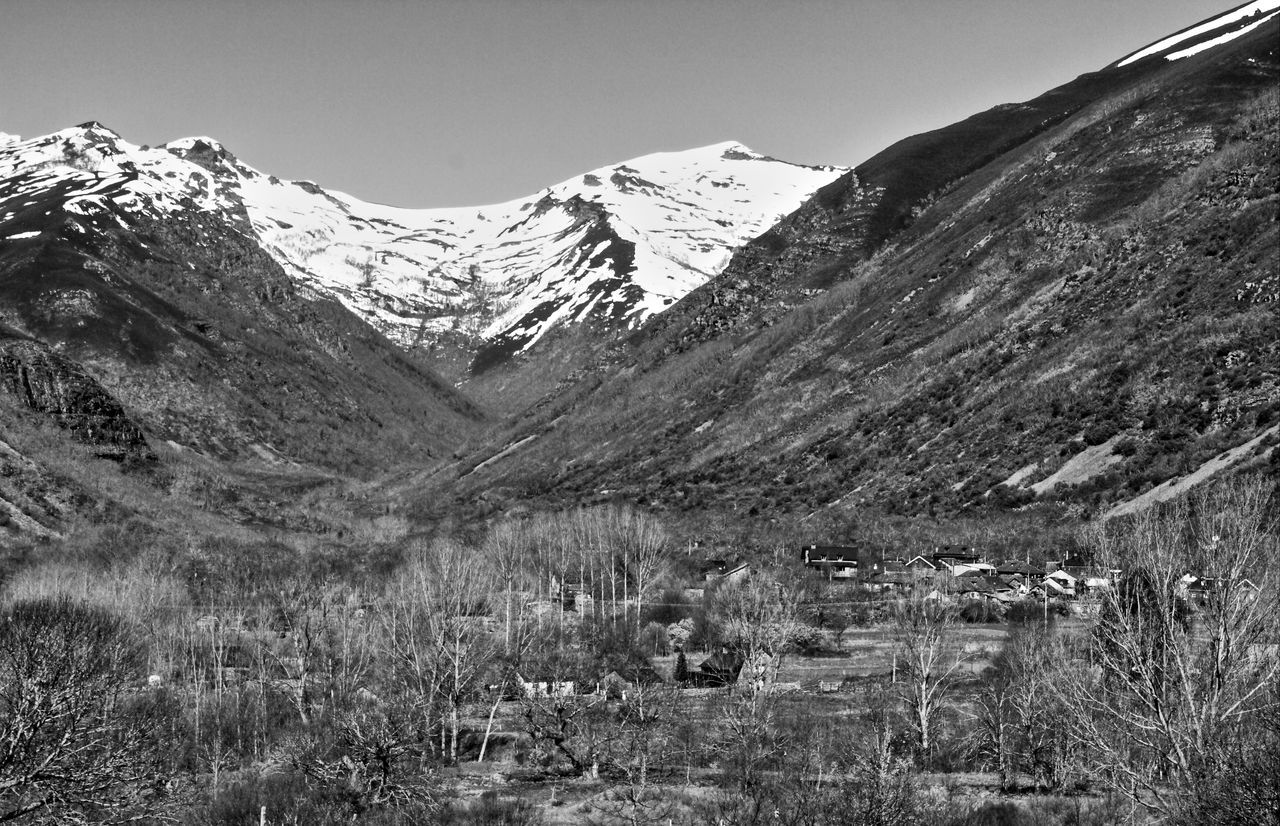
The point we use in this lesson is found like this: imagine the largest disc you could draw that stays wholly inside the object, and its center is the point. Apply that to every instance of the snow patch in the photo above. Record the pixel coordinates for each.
(1242, 13)
(1217, 41)
(584, 247)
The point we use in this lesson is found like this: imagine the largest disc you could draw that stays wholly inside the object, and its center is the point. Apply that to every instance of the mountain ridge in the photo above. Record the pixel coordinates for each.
(616, 244)
(958, 357)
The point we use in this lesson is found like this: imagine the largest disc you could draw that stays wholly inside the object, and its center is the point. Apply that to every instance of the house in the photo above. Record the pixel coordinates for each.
(1055, 587)
(1064, 580)
(1200, 588)
(998, 584)
(838, 561)
(1094, 583)
(545, 688)
(962, 568)
(614, 686)
(892, 581)
(950, 555)
(976, 585)
(717, 671)
(1077, 565)
(922, 564)
(575, 597)
(1023, 569)
(1016, 584)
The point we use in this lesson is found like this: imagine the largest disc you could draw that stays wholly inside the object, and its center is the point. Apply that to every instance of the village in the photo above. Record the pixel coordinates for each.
(592, 666)
(982, 594)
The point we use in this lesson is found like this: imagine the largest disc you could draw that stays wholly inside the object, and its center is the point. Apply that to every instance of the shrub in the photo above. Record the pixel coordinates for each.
(76, 736)
(671, 607)
(1099, 433)
(1125, 447)
(979, 610)
(490, 810)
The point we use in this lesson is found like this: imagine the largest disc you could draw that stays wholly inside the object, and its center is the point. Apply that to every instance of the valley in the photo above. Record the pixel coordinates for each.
(699, 488)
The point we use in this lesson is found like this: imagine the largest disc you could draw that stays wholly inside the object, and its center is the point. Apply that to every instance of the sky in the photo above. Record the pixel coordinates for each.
(463, 102)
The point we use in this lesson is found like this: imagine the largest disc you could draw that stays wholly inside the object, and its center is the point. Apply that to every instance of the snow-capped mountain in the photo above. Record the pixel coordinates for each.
(619, 243)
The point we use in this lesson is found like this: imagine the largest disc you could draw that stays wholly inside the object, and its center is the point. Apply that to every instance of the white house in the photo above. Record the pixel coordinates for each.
(1064, 582)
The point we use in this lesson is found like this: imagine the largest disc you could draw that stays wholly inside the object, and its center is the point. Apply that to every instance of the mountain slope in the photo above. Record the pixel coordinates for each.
(201, 337)
(1068, 302)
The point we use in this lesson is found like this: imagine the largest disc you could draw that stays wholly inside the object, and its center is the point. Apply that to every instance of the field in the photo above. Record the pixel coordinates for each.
(832, 692)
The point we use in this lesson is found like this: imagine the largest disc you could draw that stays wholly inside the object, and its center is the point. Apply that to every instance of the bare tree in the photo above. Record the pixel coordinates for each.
(639, 550)
(570, 727)
(76, 737)
(506, 546)
(756, 620)
(1175, 685)
(1021, 725)
(823, 782)
(304, 610)
(640, 746)
(759, 620)
(993, 712)
(923, 631)
(371, 756)
(435, 633)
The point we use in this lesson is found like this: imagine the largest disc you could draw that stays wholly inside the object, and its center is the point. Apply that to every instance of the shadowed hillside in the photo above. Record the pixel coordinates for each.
(1079, 308)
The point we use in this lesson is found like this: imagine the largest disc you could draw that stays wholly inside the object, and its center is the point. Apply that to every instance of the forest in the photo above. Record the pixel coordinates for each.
(580, 667)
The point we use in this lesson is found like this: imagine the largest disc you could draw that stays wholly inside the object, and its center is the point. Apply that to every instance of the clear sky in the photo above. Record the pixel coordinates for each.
(462, 102)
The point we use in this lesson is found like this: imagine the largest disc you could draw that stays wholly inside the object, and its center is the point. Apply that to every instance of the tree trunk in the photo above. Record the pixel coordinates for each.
(488, 729)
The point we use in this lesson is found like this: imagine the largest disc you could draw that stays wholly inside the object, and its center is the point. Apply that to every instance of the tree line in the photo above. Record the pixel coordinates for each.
(123, 696)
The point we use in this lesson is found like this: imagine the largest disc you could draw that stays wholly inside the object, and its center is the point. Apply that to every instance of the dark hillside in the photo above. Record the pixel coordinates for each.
(1082, 313)
(205, 341)
(852, 217)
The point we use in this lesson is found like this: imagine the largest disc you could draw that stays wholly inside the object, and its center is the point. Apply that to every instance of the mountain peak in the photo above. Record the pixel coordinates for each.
(616, 244)
(96, 126)
(202, 151)
(195, 143)
(737, 151)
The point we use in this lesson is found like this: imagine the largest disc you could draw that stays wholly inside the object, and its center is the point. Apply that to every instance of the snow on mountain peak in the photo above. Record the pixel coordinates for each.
(619, 243)
(622, 241)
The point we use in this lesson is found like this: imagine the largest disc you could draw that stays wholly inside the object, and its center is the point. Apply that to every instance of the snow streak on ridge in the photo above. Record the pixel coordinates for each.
(1235, 15)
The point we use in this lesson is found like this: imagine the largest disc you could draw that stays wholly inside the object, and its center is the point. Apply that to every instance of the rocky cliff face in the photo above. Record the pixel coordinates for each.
(56, 386)
(204, 338)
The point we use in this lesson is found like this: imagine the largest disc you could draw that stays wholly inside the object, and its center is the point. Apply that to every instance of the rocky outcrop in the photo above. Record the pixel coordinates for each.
(54, 385)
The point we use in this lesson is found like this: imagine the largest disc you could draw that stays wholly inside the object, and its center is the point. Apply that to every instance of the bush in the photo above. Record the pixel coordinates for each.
(1125, 447)
(490, 810)
(980, 610)
(670, 608)
(288, 797)
(78, 737)
(1099, 433)
(1032, 612)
